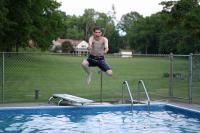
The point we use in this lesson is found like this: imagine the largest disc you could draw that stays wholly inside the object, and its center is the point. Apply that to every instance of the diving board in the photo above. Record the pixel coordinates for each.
(70, 98)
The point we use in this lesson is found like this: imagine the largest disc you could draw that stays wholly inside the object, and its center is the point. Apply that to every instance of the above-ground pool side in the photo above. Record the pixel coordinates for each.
(182, 110)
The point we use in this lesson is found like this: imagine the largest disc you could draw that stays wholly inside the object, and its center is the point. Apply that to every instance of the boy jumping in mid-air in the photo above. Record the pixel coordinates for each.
(98, 46)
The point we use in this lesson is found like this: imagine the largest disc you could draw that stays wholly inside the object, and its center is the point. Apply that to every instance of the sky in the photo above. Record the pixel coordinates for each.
(143, 7)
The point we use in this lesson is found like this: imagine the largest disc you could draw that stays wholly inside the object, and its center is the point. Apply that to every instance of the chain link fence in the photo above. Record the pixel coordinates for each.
(34, 77)
(196, 78)
(1, 77)
(179, 77)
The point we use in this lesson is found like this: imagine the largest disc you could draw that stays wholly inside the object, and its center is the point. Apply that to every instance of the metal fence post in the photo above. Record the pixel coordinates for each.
(101, 87)
(190, 79)
(37, 94)
(171, 75)
(2, 77)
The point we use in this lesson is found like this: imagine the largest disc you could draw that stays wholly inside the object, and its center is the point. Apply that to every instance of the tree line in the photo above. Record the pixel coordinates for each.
(174, 29)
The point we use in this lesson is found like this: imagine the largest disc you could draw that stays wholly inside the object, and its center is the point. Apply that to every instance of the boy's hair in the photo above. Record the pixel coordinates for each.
(97, 28)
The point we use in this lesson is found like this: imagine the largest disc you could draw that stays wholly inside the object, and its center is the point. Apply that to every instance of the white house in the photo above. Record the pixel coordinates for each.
(79, 46)
(126, 53)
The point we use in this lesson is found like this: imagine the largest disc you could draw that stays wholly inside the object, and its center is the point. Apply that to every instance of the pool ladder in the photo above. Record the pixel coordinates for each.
(140, 83)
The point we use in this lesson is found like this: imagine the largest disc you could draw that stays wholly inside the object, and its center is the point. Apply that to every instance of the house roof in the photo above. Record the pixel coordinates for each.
(74, 43)
(78, 45)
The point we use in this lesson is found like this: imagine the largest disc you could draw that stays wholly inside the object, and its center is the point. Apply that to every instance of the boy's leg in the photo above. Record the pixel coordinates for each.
(85, 65)
(105, 67)
(109, 72)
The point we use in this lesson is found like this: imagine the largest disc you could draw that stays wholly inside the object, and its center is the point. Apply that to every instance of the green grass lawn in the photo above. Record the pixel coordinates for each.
(53, 73)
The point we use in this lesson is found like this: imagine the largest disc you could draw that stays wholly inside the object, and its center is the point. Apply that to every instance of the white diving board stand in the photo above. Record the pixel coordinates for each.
(70, 98)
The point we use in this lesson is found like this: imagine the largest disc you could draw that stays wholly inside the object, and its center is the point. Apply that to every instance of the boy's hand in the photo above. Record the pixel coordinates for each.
(89, 47)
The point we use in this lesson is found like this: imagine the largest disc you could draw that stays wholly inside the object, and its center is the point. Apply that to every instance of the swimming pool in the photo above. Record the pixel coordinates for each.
(163, 118)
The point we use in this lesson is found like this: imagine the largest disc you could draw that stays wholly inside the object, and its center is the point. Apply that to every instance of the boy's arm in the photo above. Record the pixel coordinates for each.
(90, 43)
(106, 45)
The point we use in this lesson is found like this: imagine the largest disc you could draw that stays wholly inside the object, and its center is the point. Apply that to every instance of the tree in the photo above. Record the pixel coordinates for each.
(17, 29)
(88, 22)
(26, 20)
(125, 25)
(168, 41)
(128, 20)
(192, 26)
(145, 33)
(72, 28)
(180, 34)
(3, 23)
(183, 27)
(47, 22)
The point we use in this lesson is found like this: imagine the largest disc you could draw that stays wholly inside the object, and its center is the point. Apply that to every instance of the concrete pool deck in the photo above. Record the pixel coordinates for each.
(185, 105)
(46, 104)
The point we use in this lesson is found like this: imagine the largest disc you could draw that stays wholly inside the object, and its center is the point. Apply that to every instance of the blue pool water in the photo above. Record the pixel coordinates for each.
(100, 119)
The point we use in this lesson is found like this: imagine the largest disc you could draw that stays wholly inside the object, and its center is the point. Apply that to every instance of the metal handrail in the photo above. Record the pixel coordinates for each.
(129, 91)
(125, 83)
(147, 95)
